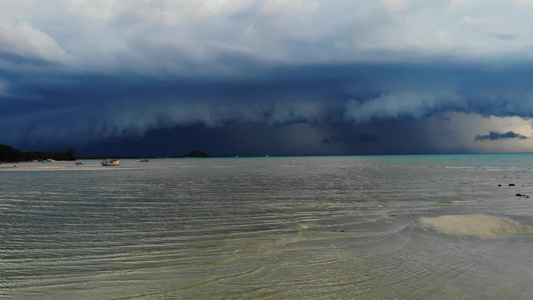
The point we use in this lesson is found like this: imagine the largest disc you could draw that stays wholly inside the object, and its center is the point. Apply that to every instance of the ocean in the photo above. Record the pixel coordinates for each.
(266, 228)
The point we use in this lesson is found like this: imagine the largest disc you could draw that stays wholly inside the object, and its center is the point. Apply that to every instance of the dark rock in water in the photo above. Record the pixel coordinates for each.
(522, 195)
(511, 184)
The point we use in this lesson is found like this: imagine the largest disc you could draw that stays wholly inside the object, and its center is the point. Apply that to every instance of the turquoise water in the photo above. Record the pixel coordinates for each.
(289, 227)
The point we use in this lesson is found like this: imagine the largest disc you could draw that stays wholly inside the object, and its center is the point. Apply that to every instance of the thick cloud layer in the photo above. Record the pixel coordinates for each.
(341, 73)
(177, 35)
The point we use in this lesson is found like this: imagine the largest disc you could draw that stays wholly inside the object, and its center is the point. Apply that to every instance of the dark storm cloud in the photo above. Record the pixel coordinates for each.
(365, 137)
(493, 136)
(86, 73)
(83, 108)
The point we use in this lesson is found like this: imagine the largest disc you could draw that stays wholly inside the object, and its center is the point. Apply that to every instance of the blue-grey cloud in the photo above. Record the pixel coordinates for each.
(493, 136)
(73, 108)
(121, 71)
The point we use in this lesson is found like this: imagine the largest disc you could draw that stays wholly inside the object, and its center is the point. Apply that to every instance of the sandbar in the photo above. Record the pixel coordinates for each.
(480, 225)
(7, 169)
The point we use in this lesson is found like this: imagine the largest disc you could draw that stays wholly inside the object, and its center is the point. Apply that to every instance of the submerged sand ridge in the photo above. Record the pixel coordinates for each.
(481, 225)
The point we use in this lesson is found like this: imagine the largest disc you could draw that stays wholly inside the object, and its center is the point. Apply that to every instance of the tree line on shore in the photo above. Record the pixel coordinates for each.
(9, 153)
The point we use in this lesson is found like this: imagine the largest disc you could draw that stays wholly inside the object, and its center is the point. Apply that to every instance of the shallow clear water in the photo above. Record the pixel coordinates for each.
(305, 228)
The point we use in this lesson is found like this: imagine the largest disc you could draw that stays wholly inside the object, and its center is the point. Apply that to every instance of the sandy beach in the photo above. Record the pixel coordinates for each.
(13, 168)
(480, 225)
(55, 166)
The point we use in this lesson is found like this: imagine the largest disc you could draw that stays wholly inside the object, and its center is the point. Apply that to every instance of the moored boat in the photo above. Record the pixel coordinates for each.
(110, 163)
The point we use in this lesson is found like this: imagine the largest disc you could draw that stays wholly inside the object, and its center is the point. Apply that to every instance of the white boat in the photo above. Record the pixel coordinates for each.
(111, 163)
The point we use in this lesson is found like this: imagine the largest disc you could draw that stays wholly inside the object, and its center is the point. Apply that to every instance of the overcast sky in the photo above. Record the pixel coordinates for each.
(257, 77)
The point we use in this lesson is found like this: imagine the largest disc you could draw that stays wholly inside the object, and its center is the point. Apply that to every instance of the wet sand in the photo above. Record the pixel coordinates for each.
(55, 166)
(480, 225)
(32, 168)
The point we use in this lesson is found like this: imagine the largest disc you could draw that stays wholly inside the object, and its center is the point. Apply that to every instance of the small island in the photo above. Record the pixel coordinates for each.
(196, 154)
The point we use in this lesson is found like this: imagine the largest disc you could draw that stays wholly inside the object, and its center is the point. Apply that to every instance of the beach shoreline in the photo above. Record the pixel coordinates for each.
(27, 166)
